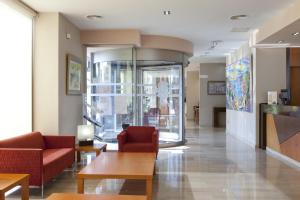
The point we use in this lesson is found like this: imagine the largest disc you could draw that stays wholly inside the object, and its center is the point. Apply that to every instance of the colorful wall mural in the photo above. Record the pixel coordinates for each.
(239, 86)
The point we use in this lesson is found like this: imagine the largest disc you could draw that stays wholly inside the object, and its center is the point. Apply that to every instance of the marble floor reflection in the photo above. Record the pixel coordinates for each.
(212, 165)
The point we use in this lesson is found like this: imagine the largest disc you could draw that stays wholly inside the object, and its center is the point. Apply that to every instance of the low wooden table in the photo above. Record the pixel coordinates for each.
(66, 196)
(97, 148)
(9, 181)
(117, 165)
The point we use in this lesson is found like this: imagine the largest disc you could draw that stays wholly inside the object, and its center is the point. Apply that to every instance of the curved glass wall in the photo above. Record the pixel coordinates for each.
(128, 86)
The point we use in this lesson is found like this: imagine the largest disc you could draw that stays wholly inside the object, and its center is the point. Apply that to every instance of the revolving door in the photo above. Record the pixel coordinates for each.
(136, 87)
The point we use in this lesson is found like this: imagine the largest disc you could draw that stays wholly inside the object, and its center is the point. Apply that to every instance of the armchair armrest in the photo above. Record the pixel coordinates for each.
(56, 142)
(122, 139)
(155, 140)
(25, 161)
(155, 136)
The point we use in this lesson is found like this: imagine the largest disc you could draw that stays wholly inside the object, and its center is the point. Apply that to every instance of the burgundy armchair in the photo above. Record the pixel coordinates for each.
(138, 139)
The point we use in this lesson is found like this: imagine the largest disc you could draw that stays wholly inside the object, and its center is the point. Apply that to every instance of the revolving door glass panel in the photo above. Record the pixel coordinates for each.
(110, 96)
(160, 101)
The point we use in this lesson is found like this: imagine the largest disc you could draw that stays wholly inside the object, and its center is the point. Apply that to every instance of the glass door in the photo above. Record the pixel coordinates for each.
(110, 88)
(160, 101)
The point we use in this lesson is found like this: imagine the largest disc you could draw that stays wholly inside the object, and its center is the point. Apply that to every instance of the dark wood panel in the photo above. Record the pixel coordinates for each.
(295, 57)
(216, 111)
(295, 85)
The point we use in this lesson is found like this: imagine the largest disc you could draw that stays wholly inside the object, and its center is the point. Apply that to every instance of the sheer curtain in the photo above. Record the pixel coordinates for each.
(15, 71)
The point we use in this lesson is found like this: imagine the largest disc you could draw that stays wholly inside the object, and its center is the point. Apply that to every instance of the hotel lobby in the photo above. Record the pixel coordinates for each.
(142, 100)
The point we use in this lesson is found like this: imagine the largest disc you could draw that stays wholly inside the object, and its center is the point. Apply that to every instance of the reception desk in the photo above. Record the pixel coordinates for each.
(280, 129)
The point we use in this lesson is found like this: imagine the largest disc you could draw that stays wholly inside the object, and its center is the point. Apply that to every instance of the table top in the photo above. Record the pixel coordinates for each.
(91, 147)
(120, 165)
(64, 196)
(9, 180)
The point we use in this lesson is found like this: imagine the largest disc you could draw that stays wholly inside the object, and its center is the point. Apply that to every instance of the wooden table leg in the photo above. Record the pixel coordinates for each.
(78, 159)
(2, 195)
(97, 152)
(25, 189)
(149, 185)
(80, 185)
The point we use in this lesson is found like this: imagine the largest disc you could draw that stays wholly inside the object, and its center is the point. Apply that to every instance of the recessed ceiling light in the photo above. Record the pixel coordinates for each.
(94, 17)
(295, 34)
(280, 41)
(167, 12)
(240, 29)
(239, 17)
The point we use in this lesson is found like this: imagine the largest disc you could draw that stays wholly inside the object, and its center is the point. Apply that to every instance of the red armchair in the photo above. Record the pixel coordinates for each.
(43, 157)
(138, 139)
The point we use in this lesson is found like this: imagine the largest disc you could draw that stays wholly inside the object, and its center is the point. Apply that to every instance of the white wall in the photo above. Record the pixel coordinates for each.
(215, 72)
(70, 106)
(54, 111)
(269, 74)
(192, 93)
(242, 124)
(45, 74)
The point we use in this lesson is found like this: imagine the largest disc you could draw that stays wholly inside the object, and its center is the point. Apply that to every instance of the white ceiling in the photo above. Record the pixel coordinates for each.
(285, 35)
(200, 21)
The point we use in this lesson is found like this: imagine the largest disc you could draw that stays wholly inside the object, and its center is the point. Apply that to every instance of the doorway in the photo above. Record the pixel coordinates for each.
(160, 100)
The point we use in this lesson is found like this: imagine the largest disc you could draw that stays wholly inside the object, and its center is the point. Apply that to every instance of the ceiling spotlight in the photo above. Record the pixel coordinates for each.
(167, 12)
(295, 34)
(280, 41)
(94, 17)
(239, 17)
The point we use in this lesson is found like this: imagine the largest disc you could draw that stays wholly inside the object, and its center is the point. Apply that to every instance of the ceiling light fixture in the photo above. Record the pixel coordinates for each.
(280, 41)
(167, 12)
(295, 34)
(94, 17)
(214, 44)
(238, 17)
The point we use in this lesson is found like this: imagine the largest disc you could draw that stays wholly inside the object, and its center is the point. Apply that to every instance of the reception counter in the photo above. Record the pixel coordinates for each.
(280, 129)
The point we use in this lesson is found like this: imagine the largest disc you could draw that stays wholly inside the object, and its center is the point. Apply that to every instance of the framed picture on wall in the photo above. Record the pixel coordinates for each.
(74, 75)
(216, 87)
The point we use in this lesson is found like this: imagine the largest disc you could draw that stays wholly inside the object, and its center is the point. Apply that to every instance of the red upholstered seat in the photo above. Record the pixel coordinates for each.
(43, 157)
(138, 139)
(54, 161)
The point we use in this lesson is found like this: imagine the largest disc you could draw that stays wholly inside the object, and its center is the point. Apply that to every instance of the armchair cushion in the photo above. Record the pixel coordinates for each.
(141, 147)
(141, 134)
(55, 161)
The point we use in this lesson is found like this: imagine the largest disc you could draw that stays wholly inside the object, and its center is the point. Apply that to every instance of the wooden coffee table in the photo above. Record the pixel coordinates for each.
(9, 181)
(117, 165)
(65, 196)
(97, 148)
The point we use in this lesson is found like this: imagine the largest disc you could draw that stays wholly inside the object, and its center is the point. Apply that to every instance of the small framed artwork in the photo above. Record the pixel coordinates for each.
(74, 75)
(272, 97)
(216, 87)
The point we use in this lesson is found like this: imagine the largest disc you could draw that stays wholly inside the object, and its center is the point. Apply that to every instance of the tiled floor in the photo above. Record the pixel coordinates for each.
(210, 166)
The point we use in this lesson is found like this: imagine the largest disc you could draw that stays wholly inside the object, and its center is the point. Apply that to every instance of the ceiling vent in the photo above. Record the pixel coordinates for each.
(240, 29)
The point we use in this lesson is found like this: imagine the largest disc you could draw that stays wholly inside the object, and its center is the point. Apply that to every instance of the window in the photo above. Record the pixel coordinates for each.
(15, 72)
